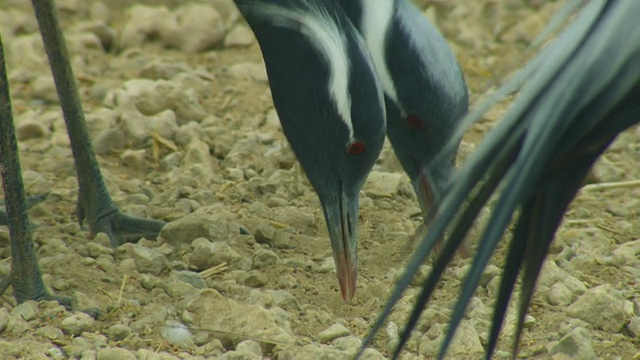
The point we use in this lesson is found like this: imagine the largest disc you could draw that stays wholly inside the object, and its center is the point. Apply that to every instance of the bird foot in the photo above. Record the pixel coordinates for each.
(123, 228)
(32, 290)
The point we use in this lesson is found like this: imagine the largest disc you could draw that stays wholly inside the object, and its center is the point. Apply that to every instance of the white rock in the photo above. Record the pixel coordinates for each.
(199, 27)
(333, 332)
(602, 307)
(147, 23)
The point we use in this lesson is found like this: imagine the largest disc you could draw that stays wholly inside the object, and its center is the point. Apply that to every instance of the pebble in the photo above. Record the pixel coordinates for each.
(210, 309)
(349, 344)
(239, 355)
(383, 184)
(627, 253)
(134, 158)
(332, 332)
(17, 325)
(199, 27)
(77, 346)
(77, 324)
(247, 72)
(575, 345)
(250, 347)
(31, 129)
(311, 351)
(466, 341)
(239, 36)
(284, 299)
(209, 222)
(263, 258)
(192, 278)
(28, 310)
(148, 260)
(115, 354)
(4, 319)
(152, 97)
(118, 332)
(96, 249)
(146, 23)
(602, 307)
(206, 254)
(264, 234)
(633, 327)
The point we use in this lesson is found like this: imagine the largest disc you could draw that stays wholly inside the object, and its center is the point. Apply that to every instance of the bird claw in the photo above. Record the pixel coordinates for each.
(122, 228)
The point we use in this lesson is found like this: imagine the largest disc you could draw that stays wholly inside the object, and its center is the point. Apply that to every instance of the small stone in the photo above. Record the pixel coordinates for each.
(17, 325)
(633, 327)
(255, 279)
(383, 184)
(115, 354)
(264, 258)
(627, 253)
(206, 254)
(250, 347)
(96, 249)
(284, 299)
(248, 72)
(211, 223)
(466, 341)
(134, 158)
(350, 344)
(189, 277)
(4, 319)
(602, 307)
(118, 332)
(239, 36)
(146, 23)
(264, 234)
(148, 260)
(31, 130)
(576, 345)
(77, 323)
(328, 265)
(199, 27)
(28, 310)
(560, 295)
(333, 332)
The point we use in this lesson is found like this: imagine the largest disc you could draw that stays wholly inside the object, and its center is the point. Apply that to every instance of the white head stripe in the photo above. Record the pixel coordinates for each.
(376, 18)
(325, 34)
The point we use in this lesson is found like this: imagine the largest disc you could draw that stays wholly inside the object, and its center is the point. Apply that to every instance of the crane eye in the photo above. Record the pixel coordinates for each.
(415, 123)
(356, 148)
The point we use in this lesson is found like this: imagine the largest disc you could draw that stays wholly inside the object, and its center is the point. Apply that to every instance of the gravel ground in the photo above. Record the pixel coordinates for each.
(181, 117)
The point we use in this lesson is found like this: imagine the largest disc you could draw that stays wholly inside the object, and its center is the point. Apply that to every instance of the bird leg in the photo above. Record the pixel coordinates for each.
(94, 202)
(25, 277)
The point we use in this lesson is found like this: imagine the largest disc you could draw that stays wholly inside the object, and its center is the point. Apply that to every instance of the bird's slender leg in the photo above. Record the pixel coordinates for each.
(25, 277)
(94, 202)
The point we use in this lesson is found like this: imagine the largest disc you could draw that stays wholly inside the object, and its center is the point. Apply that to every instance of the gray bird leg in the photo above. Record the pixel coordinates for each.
(94, 202)
(25, 277)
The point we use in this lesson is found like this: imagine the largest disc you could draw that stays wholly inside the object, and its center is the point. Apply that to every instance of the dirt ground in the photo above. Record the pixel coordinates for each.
(490, 38)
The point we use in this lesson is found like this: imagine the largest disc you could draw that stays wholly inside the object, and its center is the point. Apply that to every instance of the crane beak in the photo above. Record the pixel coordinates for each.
(425, 191)
(342, 222)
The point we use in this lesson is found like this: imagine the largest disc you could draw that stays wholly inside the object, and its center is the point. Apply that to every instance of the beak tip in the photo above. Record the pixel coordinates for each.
(348, 281)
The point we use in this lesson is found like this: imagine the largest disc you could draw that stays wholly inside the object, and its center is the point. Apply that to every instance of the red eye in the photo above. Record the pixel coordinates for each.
(356, 148)
(415, 123)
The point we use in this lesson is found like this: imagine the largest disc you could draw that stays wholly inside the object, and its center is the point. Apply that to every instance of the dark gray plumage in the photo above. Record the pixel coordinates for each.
(425, 91)
(580, 93)
(330, 106)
